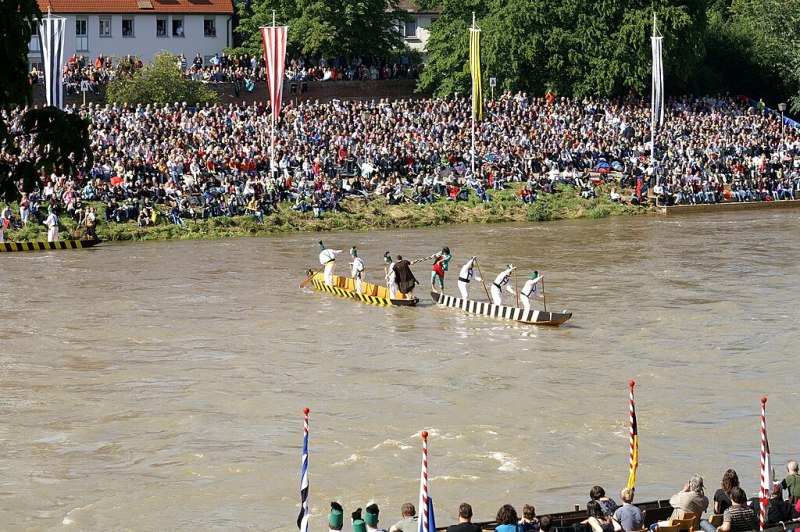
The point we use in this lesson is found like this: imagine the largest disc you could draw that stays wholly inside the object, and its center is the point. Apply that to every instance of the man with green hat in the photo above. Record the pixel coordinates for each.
(357, 268)
(327, 257)
(391, 276)
(358, 523)
(371, 518)
(531, 287)
(502, 281)
(336, 518)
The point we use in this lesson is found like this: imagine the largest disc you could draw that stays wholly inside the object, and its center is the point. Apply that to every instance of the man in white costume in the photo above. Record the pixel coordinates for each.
(391, 277)
(501, 281)
(52, 226)
(327, 257)
(357, 268)
(530, 288)
(466, 275)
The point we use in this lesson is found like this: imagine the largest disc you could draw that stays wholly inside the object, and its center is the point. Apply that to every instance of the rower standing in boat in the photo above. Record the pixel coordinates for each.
(440, 263)
(405, 277)
(531, 287)
(357, 270)
(499, 282)
(52, 225)
(465, 276)
(391, 277)
(327, 257)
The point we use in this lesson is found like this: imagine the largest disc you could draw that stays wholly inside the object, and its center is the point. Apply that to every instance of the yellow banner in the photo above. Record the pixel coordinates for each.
(475, 69)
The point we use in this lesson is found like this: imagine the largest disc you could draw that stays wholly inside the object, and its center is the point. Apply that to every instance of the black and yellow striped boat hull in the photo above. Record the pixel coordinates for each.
(10, 247)
(371, 294)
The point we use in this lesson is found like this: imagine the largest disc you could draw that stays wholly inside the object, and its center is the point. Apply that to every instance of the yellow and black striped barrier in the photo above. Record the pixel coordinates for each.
(9, 247)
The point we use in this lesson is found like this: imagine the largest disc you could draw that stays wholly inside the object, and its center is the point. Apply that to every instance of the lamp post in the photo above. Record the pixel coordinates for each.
(781, 108)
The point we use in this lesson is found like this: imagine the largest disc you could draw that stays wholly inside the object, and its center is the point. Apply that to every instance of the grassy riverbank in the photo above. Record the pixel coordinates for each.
(358, 215)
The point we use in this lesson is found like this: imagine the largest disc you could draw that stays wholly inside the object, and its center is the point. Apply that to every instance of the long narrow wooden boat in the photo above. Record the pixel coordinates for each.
(536, 317)
(8, 247)
(370, 293)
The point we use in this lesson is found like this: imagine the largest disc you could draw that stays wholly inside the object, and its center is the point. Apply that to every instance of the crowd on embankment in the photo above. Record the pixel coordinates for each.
(190, 162)
(242, 69)
(690, 509)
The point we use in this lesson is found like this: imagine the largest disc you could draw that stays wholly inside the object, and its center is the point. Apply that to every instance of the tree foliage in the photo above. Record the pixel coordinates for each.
(324, 27)
(60, 140)
(159, 81)
(570, 47)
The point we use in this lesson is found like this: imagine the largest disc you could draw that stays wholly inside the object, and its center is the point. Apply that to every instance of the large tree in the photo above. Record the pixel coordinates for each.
(60, 140)
(571, 47)
(325, 27)
(157, 82)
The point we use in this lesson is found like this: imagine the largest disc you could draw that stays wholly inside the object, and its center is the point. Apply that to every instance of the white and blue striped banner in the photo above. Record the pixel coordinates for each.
(51, 31)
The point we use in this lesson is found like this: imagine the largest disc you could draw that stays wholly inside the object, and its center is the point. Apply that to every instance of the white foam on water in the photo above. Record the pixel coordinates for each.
(352, 459)
(507, 463)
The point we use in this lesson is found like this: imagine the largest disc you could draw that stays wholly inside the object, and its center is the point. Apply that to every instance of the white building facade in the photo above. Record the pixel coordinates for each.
(140, 28)
(415, 31)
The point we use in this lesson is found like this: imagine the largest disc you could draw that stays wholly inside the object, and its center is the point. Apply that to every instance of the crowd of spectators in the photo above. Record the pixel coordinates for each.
(201, 162)
(730, 510)
(243, 69)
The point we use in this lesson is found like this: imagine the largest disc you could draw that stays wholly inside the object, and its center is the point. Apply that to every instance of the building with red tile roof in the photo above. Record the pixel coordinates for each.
(141, 28)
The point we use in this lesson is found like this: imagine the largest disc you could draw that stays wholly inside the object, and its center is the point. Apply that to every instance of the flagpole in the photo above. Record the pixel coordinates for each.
(765, 473)
(653, 109)
(473, 105)
(302, 519)
(272, 165)
(632, 439)
(423, 487)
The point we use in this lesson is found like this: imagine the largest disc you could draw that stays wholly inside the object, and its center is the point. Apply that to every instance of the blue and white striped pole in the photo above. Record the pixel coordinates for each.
(302, 519)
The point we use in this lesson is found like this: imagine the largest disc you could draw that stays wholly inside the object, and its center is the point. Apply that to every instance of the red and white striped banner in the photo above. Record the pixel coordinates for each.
(274, 38)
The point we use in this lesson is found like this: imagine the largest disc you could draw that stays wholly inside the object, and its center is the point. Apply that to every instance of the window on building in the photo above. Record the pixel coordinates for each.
(127, 27)
(35, 44)
(105, 26)
(161, 27)
(177, 27)
(409, 29)
(210, 27)
(81, 35)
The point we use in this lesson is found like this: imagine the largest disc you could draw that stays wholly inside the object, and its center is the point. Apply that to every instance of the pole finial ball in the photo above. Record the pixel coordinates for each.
(763, 400)
(305, 410)
(424, 434)
(632, 383)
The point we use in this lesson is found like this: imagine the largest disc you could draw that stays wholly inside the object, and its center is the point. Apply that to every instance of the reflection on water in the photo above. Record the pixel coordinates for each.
(160, 385)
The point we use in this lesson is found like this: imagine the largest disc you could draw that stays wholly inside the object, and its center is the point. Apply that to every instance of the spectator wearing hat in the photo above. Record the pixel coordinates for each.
(502, 280)
(465, 523)
(409, 521)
